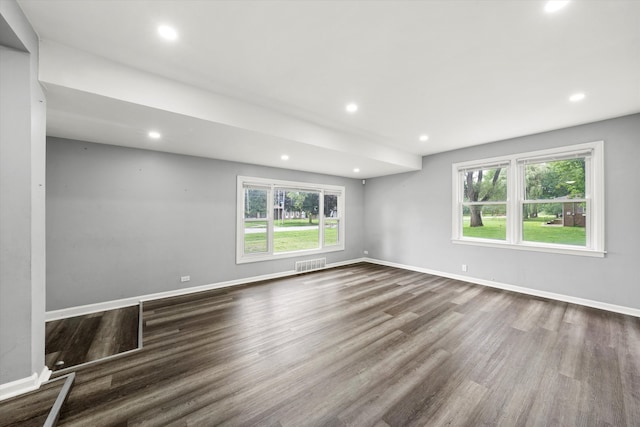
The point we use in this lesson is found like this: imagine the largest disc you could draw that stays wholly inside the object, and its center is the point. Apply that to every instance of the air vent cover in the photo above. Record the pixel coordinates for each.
(310, 265)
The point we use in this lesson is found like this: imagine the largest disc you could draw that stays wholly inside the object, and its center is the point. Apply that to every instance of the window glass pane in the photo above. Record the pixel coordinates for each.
(559, 223)
(485, 221)
(255, 203)
(255, 231)
(287, 239)
(559, 180)
(485, 185)
(255, 237)
(331, 222)
(331, 232)
(331, 205)
(295, 220)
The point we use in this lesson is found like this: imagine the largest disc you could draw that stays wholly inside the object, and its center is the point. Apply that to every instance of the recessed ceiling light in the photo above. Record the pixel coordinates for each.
(576, 97)
(167, 32)
(154, 134)
(352, 107)
(284, 157)
(424, 137)
(555, 5)
(356, 170)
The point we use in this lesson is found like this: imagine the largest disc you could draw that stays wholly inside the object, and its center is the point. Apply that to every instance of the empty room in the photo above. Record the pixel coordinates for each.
(312, 213)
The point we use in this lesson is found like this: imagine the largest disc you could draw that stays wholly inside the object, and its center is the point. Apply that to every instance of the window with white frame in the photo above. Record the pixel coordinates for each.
(484, 200)
(550, 200)
(283, 218)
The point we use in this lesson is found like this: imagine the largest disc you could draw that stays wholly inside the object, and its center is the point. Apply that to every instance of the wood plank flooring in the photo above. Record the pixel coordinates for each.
(30, 409)
(81, 339)
(367, 345)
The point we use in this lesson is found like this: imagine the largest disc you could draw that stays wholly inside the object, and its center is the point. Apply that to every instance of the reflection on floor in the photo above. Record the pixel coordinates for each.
(76, 340)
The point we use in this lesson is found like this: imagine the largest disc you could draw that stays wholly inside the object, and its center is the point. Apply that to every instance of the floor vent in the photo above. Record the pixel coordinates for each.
(310, 265)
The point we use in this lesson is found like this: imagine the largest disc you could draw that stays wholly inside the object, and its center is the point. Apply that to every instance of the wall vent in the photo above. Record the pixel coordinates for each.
(310, 265)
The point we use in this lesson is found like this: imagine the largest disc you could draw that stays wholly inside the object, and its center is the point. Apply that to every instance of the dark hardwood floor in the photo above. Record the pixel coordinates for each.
(81, 339)
(30, 409)
(367, 345)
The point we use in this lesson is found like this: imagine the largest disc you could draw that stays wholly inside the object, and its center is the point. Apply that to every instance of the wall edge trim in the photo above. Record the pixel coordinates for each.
(520, 289)
(127, 302)
(24, 385)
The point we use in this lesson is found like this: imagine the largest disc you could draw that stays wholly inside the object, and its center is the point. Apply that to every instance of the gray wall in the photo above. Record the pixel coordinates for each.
(125, 222)
(409, 220)
(22, 199)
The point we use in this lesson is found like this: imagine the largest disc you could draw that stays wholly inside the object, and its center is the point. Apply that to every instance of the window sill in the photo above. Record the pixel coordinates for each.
(272, 257)
(565, 250)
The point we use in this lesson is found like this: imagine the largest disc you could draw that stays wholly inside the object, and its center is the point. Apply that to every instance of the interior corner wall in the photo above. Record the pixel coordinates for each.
(413, 220)
(22, 204)
(124, 222)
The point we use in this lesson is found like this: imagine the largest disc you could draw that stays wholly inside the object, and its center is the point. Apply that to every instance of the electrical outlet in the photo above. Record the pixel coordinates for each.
(185, 278)
(464, 267)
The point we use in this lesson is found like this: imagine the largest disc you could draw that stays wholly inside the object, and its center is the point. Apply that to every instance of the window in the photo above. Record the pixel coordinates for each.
(331, 219)
(278, 219)
(484, 202)
(554, 203)
(550, 200)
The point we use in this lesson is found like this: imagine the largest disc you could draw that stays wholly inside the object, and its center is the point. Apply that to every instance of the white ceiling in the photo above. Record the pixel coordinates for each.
(251, 80)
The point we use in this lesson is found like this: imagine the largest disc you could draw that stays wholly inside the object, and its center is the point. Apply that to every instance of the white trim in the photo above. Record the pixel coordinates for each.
(109, 305)
(527, 291)
(555, 249)
(297, 185)
(82, 310)
(538, 154)
(127, 302)
(282, 255)
(598, 194)
(72, 368)
(24, 385)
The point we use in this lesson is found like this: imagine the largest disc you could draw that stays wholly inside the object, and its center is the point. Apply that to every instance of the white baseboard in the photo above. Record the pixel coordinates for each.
(349, 262)
(528, 291)
(82, 310)
(24, 385)
(127, 302)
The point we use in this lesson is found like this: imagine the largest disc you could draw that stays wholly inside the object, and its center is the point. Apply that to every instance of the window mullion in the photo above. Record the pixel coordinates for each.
(270, 222)
(456, 205)
(484, 203)
(588, 195)
(517, 202)
(321, 219)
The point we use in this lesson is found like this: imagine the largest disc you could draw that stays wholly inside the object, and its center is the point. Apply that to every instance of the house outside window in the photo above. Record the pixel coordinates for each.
(279, 219)
(548, 200)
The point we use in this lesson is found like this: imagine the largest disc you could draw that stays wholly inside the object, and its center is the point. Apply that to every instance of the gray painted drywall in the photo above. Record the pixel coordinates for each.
(408, 220)
(22, 199)
(124, 222)
(15, 217)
